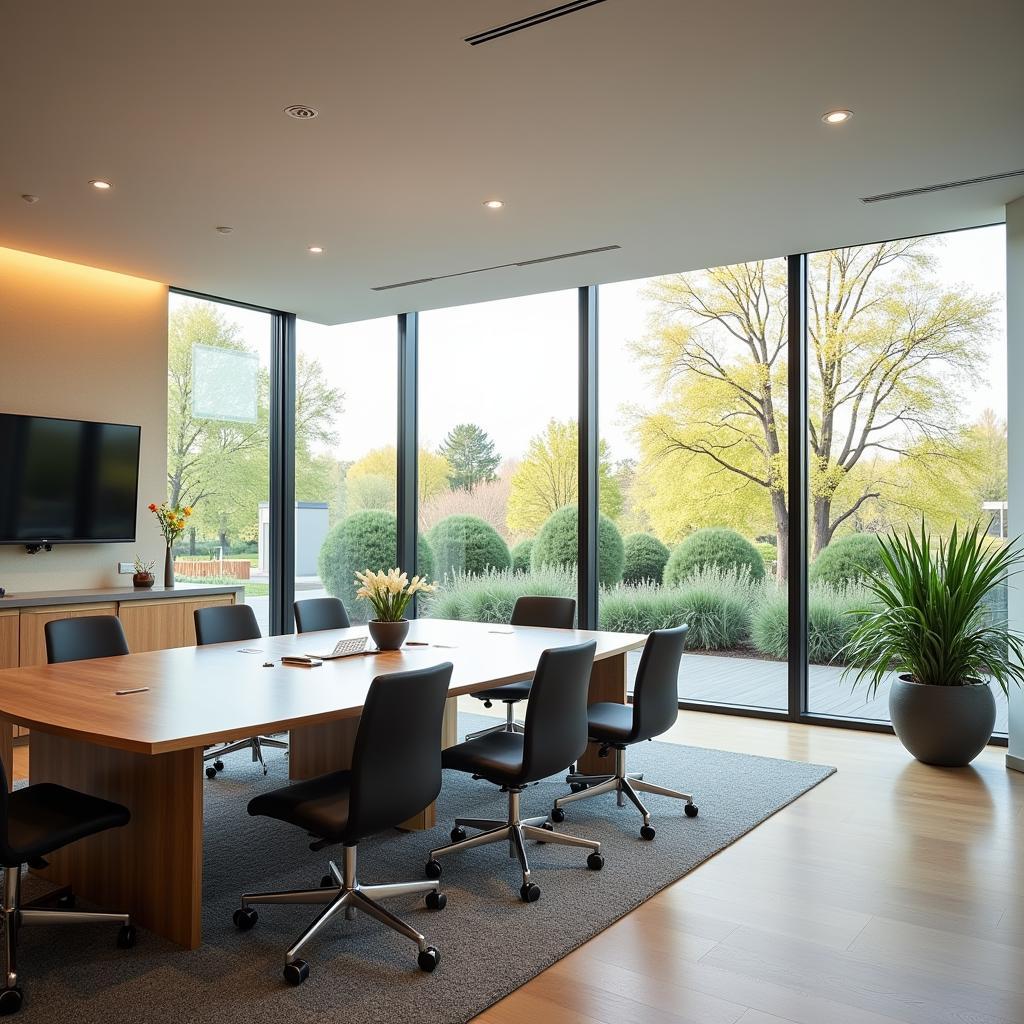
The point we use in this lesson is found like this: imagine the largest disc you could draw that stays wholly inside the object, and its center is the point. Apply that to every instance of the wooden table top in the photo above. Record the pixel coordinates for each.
(200, 695)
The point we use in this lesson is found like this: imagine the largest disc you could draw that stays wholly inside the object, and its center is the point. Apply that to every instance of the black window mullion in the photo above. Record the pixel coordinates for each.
(282, 472)
(408, 372)
(587, 566)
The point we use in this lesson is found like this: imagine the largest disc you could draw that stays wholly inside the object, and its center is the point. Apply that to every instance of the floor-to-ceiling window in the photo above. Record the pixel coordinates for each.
(907, 422)
(693, 424)
(345, 456)
(498, 453)
(218, 461)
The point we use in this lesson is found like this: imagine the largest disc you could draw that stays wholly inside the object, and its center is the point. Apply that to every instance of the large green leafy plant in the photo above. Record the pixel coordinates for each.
(929, 619)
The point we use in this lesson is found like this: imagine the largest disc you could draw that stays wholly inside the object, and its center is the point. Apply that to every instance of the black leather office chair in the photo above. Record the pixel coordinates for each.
(618, 726)
(552, 612)
(227, 624)
(79, 639)
(395, 773)
(316, 613)
(555, 736)
(35, 821)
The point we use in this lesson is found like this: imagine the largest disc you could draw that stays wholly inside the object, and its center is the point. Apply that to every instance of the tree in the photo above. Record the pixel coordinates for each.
(471, 455)
(372, 481)
(546, 479)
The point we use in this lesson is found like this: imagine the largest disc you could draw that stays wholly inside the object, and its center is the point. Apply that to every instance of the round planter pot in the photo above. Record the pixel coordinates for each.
(388, 636)
(143, 580)
(942, 725)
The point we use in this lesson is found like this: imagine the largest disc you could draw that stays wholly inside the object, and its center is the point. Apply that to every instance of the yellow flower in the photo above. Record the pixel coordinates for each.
(188, 510)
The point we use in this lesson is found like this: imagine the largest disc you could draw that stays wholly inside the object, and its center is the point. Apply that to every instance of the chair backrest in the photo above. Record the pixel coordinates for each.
(553, 612)
(656, 690)
(317, 613)
(84, 637)
(226, 624)
(396, 760)
(556, 717)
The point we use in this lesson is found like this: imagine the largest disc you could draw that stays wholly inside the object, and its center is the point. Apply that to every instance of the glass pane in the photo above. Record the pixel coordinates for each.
(346, 421)
(693, 395)
(498, 453)
(907, 404)
(218, 446)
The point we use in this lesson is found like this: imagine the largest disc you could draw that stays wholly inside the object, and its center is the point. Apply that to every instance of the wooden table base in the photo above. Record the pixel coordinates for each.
(607, 684)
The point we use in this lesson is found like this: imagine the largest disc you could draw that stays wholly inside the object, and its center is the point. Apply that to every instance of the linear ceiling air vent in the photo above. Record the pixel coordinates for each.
(497, 266)
(925, 189)
(534, 19)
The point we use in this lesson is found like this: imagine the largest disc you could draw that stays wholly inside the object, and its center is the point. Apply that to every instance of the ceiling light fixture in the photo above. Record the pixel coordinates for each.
(837, 116)
(100, 184)
(494, 204)
(301, 112)
(29, 198)
(223, 229)
(316, 250)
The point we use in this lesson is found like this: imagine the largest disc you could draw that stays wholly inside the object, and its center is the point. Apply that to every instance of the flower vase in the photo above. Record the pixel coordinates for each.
(388, 636)
(168, 569)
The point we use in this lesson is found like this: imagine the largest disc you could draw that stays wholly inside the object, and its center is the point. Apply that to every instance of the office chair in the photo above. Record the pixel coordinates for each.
(35, 821)
(555, 735)
(618, 726)
(395, 773)
(317, 613)
(552, 612)
(85, 637)
(225, 624)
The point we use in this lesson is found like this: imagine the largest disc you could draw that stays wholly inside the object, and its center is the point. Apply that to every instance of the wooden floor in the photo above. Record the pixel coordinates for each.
(891, 892)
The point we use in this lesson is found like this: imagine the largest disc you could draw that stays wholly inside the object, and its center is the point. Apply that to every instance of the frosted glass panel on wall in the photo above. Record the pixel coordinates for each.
(225, 384)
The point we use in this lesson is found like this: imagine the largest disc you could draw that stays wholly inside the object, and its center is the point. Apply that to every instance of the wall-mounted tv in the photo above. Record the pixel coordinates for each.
(67, 481)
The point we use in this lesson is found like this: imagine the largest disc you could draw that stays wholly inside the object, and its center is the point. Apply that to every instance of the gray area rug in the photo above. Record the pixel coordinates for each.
(490, 942)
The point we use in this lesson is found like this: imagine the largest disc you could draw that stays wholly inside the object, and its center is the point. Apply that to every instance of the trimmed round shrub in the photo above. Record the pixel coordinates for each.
(556, 545)
(521, 555)
(467, 544)
(713, 546)
(847, 560)
(366, 540)
(644, 558)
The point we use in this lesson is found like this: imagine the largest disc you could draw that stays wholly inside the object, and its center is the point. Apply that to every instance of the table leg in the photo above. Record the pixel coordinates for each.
(7, 749)
(607, 684)
(153, 867)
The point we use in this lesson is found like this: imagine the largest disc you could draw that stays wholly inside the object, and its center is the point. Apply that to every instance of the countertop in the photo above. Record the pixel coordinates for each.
(102, 595)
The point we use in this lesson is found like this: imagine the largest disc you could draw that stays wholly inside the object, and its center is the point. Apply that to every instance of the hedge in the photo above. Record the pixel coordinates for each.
(556, 545)
(645, 558)
(713, 546)
(491, 596)
(521, 555)
(847, 560)
(464, 543)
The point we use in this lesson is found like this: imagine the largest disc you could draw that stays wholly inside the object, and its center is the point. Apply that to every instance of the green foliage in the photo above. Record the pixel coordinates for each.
(366, 540)
(644, 558)
(556, 545)
(491, 597)
(768, 552)
(470, 453)
(847, 559)
(714, 546)
(931, 620)
(467, 544)
(521, 555)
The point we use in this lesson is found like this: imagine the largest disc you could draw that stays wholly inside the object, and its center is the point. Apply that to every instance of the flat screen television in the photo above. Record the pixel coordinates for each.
(67, 481)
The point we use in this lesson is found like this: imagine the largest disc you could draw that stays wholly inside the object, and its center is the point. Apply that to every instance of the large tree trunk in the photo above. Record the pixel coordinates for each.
(781, 536)
(192, 541)
(821, 531)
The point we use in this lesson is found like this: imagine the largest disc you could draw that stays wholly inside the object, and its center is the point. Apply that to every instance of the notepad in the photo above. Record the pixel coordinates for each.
(345, 649)
(301, 660)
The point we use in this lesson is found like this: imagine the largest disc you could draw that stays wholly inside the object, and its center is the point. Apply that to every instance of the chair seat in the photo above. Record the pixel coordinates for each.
(510, 691)
(44, 817)
(610, 723)
(319, 805)
(496, 756)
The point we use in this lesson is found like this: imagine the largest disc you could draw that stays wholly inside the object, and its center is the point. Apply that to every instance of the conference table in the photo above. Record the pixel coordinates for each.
(145, 749)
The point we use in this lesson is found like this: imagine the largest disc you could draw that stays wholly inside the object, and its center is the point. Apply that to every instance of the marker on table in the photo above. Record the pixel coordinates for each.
(122, 693)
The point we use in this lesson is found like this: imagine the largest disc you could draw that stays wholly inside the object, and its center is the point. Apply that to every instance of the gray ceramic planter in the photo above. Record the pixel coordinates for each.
(942, 725)
(388, 636)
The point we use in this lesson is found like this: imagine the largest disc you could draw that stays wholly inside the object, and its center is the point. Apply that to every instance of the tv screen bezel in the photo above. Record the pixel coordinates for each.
(34, 542)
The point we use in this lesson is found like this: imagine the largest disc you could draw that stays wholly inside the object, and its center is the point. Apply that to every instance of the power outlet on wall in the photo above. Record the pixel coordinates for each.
(126, 568)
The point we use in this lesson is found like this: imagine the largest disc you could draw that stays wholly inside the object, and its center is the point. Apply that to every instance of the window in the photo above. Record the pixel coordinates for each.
(346, 396)
(498, 453)
(218, 405)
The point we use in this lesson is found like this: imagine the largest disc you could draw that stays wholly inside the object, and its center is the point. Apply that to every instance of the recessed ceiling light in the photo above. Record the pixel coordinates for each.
(29, 198)
(836, 116)
(100, 184)
(316, 249)
(301, 112)
(494, 204)
(223, 229)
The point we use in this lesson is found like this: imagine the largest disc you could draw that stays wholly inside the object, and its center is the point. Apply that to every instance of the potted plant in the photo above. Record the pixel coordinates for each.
(172, 520)
(929, 624)
(390, 593)
(143, 577)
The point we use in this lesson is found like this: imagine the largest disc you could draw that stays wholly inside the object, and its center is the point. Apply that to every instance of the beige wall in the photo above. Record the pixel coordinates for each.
(85, 344)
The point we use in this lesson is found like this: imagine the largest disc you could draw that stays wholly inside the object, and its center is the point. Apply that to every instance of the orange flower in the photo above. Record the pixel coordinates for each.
(152, 507)
(188, 510)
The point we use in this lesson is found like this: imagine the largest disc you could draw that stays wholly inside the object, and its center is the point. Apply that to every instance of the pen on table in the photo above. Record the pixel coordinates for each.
(139, 689)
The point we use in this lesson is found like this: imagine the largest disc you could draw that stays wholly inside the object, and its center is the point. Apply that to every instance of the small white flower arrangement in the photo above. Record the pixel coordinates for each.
(390, 592)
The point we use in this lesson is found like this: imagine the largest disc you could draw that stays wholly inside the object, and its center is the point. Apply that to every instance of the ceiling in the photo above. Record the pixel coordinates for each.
(687, 133)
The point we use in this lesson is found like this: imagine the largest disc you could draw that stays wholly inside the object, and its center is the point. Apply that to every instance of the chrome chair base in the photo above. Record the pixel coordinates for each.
(255, 744)
(509, 725)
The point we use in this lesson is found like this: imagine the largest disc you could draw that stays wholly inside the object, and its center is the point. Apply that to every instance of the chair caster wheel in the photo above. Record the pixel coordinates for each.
(548, 827)
(557, 815)
(67, 901)
(10, 1001)
(432, 869)
(577, 787)
(265, 770)
(595, 862)
(646, 832)
(218, 765)
(211, 773)
(245, 918)
(458, 834)
(328, 882)
(437, 900)
(691, 810)
(429, 959)
(126, 936)
(296, 972)
(529, 892)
